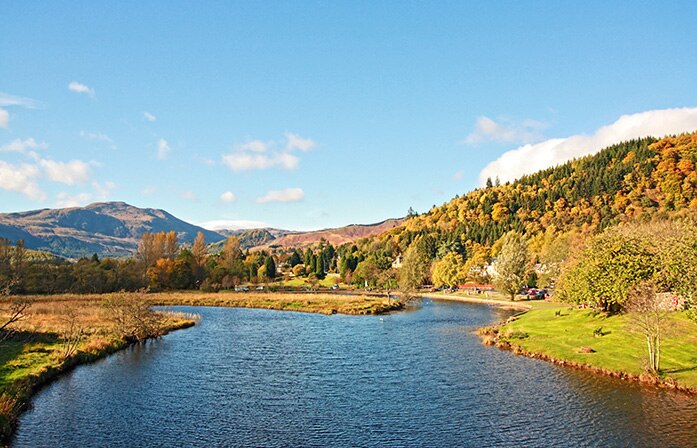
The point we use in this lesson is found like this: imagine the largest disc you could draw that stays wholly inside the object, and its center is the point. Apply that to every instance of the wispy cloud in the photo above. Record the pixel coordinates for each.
(77, 87)
(65, 200)
(228, 197)
(101, 192)
(98, 137)
(459, 174)
(287, 195)
(163, 149)
(7, 100)
(294, 141)
(242, 161)
(148, 116)
(69, 173)
(530, 158)
(22, 146)
(262, 155)
(253, 146)
(507, 131)
(233, 224)
(12, 100)
(189, 196)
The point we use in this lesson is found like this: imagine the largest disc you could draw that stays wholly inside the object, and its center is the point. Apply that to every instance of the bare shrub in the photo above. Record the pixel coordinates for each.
(132, 317)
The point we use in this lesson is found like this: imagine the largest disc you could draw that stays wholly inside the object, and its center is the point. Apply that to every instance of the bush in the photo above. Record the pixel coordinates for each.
(132, 317)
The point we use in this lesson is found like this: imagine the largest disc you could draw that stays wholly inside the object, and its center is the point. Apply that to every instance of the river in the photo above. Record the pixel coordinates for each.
(420, 378)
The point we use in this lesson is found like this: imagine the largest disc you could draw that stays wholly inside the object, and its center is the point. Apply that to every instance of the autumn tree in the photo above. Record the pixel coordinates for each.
(199, 249)
(414, 271)
(448, 271)
(512, 264)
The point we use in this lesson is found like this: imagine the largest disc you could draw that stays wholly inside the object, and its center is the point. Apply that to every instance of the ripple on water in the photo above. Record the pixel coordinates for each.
(247, 377)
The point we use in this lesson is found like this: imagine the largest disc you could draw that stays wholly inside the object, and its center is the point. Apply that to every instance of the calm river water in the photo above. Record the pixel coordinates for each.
(246, 377)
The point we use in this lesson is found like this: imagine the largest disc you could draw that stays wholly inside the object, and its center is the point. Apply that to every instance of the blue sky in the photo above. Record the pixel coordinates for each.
(306, 115)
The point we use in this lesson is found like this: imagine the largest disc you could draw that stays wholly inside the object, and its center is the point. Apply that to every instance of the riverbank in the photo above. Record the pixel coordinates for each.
(483, 300)
(57, 334)
(63, 331)
(607, 345)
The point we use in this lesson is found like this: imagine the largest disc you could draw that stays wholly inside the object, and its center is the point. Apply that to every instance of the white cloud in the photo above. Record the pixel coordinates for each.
(233, 224)
(228, 197)
(294, 141)
(20, 178)
(65, 200)
(459, 174)
(163, 149)
(149, 190)
(69, 173)
(97, 136)
(505, 131)
(189, 196)
(287, 195)
(103, 190)
(241, 161)
(77, 87)
(261, 155)
(11, 100)
(530, 158)
(150, 117)
(21, 146)
(253, 146)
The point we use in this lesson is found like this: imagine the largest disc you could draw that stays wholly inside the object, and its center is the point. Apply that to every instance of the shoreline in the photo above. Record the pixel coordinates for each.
(489, 335)
(484, 301)
(22, 392)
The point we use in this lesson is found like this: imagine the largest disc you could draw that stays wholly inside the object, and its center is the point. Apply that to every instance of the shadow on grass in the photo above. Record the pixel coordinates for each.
(683, 370)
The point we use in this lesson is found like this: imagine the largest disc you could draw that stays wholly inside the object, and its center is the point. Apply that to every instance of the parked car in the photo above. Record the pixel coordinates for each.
(243, 288)
(260, 288)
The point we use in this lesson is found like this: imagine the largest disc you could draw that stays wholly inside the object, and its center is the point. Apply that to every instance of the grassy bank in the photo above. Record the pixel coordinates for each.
(323, 303)
(62, 331)
(604, 344)
(57, 334)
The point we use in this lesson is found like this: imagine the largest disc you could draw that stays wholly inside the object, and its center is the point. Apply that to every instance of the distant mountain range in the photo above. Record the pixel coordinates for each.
(113, 229)
(338, 236)
(105, 228)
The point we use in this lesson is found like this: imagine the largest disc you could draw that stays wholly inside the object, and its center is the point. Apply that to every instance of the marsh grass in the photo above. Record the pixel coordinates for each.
(322, 303)
(58, 332)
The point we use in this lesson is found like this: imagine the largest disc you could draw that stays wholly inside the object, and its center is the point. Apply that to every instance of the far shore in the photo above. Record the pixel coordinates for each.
(522, 306)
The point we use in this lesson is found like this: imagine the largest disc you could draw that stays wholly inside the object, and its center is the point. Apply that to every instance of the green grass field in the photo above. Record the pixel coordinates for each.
(620, 348)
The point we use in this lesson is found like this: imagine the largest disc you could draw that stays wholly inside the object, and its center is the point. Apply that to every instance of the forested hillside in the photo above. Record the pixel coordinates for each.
(634, 180)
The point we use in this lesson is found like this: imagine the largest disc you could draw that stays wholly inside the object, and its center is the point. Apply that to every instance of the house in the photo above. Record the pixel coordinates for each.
(397, 263)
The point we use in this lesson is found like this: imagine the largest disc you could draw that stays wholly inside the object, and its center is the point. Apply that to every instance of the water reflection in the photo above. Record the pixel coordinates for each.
(266, 378)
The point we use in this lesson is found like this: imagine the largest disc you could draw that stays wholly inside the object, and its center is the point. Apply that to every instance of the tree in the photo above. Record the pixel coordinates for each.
(270, 267)
(448, 271)
(605, 273)
(415, 269)
(647, 317)
(512, 264)
(199, 249)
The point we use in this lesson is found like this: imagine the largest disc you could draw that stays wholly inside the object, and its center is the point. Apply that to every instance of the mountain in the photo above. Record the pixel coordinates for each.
(255, 237)
(106, 228)
(337, 236)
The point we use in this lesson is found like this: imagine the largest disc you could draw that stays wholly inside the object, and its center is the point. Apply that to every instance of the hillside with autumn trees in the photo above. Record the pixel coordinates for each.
(555, 212)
